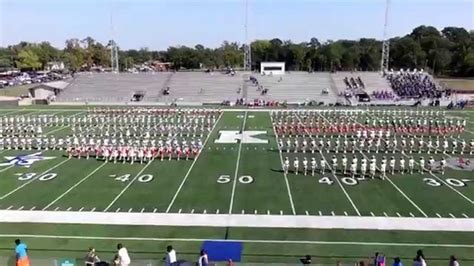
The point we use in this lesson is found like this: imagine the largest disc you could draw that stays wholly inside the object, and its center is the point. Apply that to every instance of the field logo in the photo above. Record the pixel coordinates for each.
(248, 137)
(25, 160)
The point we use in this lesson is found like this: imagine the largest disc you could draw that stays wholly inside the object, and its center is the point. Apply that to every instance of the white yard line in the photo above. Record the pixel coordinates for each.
(74, 186)
(6, 168)
(435, 176)
(236, 172)
(261, 241)
(239, 220)
(128, 185)
(56, 130)
(284, 174)
(33, 179)
(193, 163)
(332, 170)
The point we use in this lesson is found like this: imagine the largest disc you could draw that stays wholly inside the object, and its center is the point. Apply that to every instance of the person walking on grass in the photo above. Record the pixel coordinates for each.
(203, 259)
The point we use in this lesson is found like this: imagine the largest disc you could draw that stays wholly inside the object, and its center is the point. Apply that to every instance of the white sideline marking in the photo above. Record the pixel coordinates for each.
(82, 208)
(68, 209)
(179, 211)
(33, 179)
(205, 211)
(385, 214)
(350, 243)
(143, 209)
(192, 164)
(398, 214)
(412, 215)
(439, 216)
(320, 213)
(236, 172)
(130, 210)
(117, 210)
(128, 185)
(56, 209)
(371, 213)
(332, 213)
(463, 214)
(93, 210)
(307, 213)
(281, 212)
(21, 208)
(74, 186)
(192, 211)
(330, 167)
(452, 216)
(11, 206)
(217, 211)
(255, 211)
(284, 174)
(33, 208)
(345, 213)
(243, 212)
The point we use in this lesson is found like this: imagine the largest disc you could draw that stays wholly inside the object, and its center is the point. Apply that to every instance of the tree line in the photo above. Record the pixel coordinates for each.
(447, 52)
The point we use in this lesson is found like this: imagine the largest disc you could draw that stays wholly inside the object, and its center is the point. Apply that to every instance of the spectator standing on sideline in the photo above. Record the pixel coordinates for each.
(91, 258)
(21, 251)
(123, 258)
(203, 259)
(397, 262)
(170, 259)
(419, 259)
(453, 261)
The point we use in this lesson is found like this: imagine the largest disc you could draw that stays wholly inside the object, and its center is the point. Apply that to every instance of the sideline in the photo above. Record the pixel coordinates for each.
(240, 220)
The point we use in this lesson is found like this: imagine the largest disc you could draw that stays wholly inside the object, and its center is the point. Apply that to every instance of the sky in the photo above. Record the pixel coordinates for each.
(158, 24)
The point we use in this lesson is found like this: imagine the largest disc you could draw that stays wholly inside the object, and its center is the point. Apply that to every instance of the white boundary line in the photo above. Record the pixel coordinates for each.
(126, 187)
(281, 164)
(261, 220)
(234, 184)
(74, 186)
(262, 241)
(192, 165)
(6, 168)
(330, 168)
(33, 179)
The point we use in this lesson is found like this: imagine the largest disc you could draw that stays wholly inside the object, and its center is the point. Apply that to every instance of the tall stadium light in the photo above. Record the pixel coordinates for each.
(113, 45)
(247, 48)
(386, 42)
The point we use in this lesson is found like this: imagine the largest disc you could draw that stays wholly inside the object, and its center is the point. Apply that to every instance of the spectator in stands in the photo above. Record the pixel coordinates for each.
(170, 259)
(21, 251)
(453, 261)
(91, 257)
(122, 258)
(416, 84)
(203, 259)
(397, 262)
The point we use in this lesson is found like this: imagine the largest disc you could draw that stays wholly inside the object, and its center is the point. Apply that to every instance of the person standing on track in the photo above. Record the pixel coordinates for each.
(21, 251)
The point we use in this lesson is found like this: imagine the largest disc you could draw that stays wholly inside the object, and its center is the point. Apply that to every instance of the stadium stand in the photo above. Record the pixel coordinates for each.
(294, 87)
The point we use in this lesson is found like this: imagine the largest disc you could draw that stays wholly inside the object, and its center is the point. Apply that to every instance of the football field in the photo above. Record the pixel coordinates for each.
(238, 171)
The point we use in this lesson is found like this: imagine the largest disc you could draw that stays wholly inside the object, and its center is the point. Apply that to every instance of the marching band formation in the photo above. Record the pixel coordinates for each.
(118, 135)
(382, 131)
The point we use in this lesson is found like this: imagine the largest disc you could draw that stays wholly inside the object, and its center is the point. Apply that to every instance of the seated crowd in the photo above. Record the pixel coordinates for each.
(383, 95)
(413, 84)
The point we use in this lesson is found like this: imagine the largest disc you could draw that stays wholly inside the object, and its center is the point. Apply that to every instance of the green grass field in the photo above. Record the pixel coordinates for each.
(231, 178)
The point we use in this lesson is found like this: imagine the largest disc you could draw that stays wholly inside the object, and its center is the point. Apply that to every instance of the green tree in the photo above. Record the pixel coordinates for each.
(28, 59)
